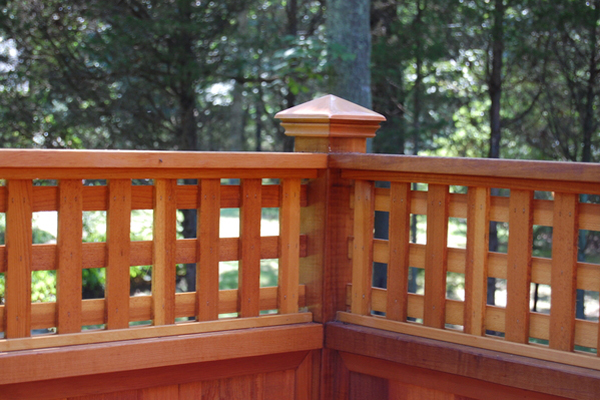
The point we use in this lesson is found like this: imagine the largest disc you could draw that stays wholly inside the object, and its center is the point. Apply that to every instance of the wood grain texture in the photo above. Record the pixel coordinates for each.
(399, 251)
(127, 384)
(407, 382)
(118, 254)
(18, 259)
(362, 257)
(207, 274)
(164, 252)
(436, 256)
(518, 280)
(289, 246)
(490, 367)
(487, 168)
(565, 236)
(31, 365)
(249, 265)
(476, 274)
(69, 256)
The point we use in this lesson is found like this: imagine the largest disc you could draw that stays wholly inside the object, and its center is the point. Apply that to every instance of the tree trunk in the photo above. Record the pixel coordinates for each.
(349, 33)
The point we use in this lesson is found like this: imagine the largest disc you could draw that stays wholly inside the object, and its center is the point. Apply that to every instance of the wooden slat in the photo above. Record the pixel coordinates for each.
(249, 264)
(490, 343)
(399, 239)
(520, 241)
(207, 275)
(478, 221)
(362, 257)
(69, 256)
(436, 262)
(289, 246)
(43, 315)
(18, 256)
(164, 261)
(565, 235)
(119, 254)
(188, 343)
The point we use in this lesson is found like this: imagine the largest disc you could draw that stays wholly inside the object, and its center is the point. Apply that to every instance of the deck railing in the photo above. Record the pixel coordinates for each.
(514, 328)
(20, 197)
(327, 199)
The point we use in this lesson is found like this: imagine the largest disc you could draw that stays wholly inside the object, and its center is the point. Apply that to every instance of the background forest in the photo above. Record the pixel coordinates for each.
(471, 78)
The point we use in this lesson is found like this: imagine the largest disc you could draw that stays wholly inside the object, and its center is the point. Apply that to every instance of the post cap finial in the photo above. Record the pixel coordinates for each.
(330, 116)
(328, 108)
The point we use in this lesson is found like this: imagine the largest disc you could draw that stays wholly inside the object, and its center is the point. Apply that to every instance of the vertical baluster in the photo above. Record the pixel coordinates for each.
(249, 264)
(362, 255)
(69, 255)
(118, 262)
(289, 246)
(164, 267)
(436, 256)
(565, 234)
(18, 257)
(207, 275)
(399, 241)
(518, 274)
(476, 271)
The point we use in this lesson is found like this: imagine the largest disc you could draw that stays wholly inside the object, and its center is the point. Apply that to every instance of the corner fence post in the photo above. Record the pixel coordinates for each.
(329, 125)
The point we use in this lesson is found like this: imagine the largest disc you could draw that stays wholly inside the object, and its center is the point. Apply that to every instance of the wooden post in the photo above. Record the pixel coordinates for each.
(328, 125)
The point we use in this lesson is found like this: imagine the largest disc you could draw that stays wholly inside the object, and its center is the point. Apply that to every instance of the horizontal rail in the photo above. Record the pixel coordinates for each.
(95, 198)
(94, 254)
(465, 167)
(43, 315)
(54, 160)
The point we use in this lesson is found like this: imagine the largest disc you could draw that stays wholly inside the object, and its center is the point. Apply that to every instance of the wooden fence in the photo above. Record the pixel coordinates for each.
(328, 332)
(20, 197)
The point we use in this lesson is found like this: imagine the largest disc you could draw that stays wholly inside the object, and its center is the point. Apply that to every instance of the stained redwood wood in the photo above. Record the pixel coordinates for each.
(207, 275)
(489, 168)
(470, 180)
(17, 295)
(164, 252)
(159, 393)
(303, 378)
(362, 258)
(414, 383)
(123, 383)
(520, 243)
(399, 244)
(436, 262)
(249, 264)
(565, 236)
(119, 254)
(488, 367)
(69, 256)
(476, 274)
(289, 246)
(365, 386)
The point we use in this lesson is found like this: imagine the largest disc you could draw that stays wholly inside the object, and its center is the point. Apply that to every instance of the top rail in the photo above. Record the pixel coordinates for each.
(476, 170)
(99, 164)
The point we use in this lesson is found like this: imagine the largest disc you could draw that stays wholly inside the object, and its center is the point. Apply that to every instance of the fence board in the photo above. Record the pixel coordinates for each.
(362, 257)
(289, 246)
(69, 256)
(476, 274)
(565, 235)
(118, 254)
(207, 275)
(399, 238)
(164, 261)
(18, 248)
(518, 272)
(249, 264)
(436, 252)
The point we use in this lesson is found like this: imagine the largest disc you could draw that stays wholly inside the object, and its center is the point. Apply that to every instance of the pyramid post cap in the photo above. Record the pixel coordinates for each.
(329, 108)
